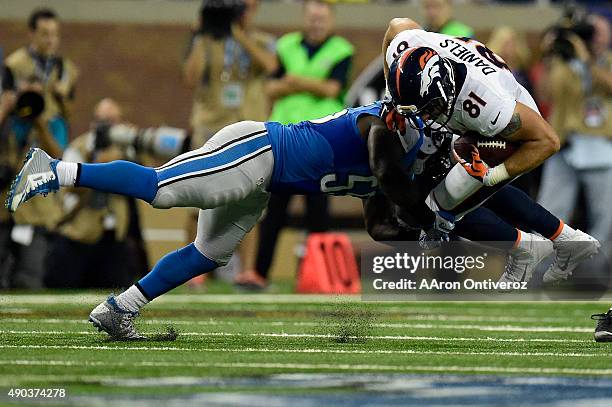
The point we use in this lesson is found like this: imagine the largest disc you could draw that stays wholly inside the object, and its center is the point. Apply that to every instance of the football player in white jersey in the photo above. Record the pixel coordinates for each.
(461, 85)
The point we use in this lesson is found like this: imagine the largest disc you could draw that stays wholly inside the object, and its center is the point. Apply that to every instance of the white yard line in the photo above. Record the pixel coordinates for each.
(309, 350)
(262, 298)
(94, 299)
(330, 336)
(296, 366)
(497, 328)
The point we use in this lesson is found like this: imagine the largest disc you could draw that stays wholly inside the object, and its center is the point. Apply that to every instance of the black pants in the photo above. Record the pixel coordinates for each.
(316, 220)
(29, 268)
(72, 264)
(6, 255)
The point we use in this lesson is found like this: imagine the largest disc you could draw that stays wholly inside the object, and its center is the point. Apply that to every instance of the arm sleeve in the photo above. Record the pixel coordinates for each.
(496, 117)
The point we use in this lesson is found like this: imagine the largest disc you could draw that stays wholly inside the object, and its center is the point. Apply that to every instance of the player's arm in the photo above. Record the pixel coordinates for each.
(378, 212)
(538, 140)
(386, 163)
(396, 26)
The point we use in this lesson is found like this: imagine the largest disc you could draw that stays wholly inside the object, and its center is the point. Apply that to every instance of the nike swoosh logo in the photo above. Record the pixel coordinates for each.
(524, 274)
(563, 267)
(496, 117)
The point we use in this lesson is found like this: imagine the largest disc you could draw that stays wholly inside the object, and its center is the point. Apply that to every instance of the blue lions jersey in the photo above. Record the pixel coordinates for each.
(326, 155)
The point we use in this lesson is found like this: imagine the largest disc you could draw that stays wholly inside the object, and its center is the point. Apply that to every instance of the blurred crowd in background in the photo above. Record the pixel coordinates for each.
(78, 239)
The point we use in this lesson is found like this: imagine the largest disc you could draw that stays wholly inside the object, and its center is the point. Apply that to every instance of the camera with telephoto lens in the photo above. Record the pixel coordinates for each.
(217, 17)
(162, 142)
(574, 22)
(29, 105)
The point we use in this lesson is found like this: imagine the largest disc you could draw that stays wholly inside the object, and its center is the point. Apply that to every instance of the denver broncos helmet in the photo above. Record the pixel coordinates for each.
(422, 84)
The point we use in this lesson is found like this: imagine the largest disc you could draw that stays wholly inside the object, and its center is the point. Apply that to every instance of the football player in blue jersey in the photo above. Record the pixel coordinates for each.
(230, 179)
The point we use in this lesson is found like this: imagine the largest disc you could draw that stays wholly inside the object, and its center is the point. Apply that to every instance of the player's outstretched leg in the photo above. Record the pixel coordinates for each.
(116, 315)
(42, 174)
(572, 246)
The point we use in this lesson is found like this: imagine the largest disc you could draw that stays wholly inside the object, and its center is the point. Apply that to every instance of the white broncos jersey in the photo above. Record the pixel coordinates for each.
(487, 99)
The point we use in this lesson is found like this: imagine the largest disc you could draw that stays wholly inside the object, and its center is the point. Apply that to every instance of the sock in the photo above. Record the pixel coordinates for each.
(483, 225)
(66, 173)
(175, 269)
(518, 209)
(119, 177)
(131, 299)
(565, 232)
(519, 237)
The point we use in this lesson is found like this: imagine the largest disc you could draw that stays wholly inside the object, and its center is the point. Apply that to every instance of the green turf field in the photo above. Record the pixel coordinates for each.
(45, 342)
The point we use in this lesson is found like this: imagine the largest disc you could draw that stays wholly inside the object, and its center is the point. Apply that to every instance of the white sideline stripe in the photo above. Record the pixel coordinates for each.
(308, 350)
(492, 328)
(82, 299)
(304, 335)
(419, 317)
(302, 366)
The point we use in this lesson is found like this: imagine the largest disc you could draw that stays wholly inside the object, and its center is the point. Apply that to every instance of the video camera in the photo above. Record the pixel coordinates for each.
(217, 17)
(574, 22)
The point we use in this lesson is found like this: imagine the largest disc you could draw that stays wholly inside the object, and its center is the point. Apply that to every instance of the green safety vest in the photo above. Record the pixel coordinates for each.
(293, 56)
(456, 29)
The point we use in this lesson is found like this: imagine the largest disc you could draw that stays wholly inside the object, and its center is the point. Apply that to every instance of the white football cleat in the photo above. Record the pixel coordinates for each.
(115, 321)
(38, 176)
(569, 252)
(525, 258)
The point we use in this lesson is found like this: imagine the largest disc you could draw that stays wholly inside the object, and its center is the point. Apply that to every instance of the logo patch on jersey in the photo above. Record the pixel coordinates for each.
(431, 71)
(493, 122)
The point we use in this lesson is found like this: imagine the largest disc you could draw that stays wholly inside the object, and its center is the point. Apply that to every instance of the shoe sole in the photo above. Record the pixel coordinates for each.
(11, 194)
(603, 336)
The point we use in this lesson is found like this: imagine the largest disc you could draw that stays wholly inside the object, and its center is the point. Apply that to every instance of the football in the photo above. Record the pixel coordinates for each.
(493, 150)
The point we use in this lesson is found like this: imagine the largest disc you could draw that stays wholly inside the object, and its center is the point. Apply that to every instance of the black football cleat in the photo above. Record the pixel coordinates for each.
(603, 330)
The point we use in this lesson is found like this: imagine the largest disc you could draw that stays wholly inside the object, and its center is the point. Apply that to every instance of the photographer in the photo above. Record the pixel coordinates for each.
(37, 93)
(227, 63)
(93, 246)
(39, 63)
(580, 77)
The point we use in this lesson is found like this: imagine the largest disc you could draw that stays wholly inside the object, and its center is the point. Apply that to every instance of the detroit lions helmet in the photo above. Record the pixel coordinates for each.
(422, 84)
